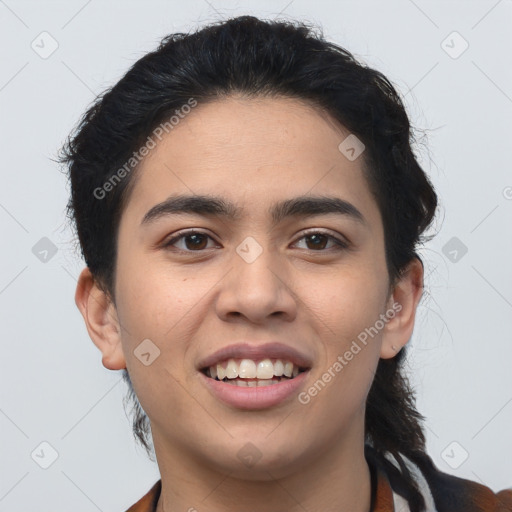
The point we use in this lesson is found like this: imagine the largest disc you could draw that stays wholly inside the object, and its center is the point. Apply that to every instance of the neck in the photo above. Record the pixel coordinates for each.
(337, 481)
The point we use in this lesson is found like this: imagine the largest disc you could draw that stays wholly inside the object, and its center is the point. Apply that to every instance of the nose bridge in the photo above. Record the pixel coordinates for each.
(257, 286)
(256, 265)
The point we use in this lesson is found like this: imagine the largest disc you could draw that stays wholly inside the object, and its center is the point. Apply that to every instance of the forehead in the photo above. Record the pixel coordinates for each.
(270, 130)
(252, 151)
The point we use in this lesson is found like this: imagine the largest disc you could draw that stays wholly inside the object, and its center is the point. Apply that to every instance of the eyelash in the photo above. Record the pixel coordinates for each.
(341, 245)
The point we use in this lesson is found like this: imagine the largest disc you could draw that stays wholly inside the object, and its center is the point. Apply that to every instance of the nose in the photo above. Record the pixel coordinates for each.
(257, 289)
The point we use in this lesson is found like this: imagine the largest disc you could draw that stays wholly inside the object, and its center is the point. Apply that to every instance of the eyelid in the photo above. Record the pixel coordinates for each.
(341, 241)
(182, 234)
(322, 231)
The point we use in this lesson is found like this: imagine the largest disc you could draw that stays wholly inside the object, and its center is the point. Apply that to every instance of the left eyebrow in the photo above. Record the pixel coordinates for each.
(211, 206)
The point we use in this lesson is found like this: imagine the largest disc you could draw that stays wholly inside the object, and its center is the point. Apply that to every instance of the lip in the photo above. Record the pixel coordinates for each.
(251, 398)
(272, 350)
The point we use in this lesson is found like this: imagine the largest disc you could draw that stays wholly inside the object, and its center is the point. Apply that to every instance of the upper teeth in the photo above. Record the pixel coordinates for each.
(249, 369)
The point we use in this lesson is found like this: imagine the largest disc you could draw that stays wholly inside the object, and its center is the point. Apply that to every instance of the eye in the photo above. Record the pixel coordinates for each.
(193, 240)
(196, 241)
(319, 239)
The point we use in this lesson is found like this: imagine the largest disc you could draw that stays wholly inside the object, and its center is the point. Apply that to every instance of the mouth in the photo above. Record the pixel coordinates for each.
(253, 372)
(250, 376)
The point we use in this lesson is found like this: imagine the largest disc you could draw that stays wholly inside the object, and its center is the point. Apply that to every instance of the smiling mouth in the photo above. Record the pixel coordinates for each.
(250, 373)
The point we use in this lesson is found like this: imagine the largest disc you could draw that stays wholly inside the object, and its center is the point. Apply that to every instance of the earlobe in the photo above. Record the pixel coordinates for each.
(403, 301)
(101, 320)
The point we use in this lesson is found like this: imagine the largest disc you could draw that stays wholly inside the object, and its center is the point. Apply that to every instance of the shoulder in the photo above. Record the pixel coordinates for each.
(448, 493)
(148, 502)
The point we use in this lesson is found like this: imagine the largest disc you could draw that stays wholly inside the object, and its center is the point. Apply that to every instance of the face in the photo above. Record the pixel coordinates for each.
(265, 277)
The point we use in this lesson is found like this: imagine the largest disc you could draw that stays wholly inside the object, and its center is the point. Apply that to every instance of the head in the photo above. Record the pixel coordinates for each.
(255, 121)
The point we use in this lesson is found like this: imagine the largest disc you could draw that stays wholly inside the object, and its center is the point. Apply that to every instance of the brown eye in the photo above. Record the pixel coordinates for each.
(193, 241)
(197, 241)
(318, 240)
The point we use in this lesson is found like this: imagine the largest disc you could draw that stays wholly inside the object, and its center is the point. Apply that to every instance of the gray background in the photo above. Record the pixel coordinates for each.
(53, 386)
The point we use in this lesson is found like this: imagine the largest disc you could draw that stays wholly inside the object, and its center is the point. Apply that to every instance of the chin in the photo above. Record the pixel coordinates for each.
(255, 460)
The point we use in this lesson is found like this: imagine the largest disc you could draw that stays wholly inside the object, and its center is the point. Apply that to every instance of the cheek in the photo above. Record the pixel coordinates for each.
(158, 303)
(351, 343)
(157, 313)
(347, 302)
(349, 310)
(154, 300)
(142, 300)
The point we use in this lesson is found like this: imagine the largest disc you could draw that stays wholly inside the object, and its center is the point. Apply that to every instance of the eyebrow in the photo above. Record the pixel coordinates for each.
(212, 206)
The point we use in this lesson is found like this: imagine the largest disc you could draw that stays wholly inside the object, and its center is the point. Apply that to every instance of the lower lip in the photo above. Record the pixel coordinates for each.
(254, 397)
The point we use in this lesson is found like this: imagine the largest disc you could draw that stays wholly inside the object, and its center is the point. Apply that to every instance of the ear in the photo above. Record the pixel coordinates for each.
(403, 302)
(101, 320)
